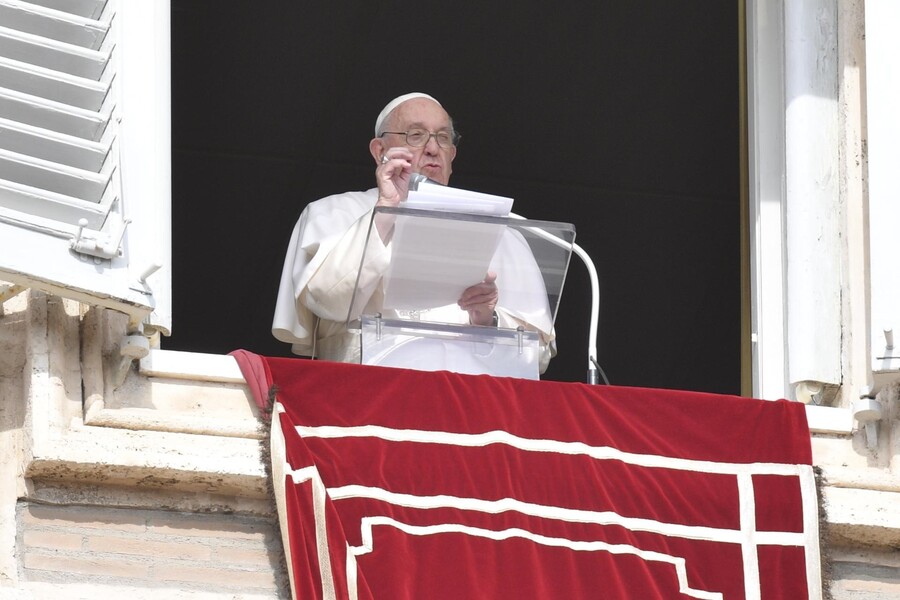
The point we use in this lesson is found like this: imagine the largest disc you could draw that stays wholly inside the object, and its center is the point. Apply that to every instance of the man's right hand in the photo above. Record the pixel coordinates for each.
(393, 175)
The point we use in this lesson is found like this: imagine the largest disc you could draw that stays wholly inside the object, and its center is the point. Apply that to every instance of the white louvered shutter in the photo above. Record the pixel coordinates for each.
(85, 152)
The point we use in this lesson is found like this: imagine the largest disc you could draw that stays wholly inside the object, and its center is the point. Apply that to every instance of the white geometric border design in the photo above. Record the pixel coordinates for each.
(678, 563)
(747, 536)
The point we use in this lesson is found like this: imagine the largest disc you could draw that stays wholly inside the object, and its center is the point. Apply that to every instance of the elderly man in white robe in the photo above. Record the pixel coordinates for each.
(322, 271)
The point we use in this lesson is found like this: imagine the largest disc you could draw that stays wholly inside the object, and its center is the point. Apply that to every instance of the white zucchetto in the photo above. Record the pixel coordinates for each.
(394, 104)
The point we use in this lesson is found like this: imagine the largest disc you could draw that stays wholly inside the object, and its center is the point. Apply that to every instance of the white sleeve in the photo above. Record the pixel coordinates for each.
(331, 224)
(330, 289)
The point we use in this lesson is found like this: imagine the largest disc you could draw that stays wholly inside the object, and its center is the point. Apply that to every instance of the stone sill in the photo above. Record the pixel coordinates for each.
(191, 365)
(828, 420)
(182, 423)
(181, 392)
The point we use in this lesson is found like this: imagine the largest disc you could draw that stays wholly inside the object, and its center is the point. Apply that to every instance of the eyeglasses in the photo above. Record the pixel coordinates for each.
(419, 137)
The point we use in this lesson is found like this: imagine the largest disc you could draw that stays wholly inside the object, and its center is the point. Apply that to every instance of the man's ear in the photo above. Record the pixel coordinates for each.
(377, 149)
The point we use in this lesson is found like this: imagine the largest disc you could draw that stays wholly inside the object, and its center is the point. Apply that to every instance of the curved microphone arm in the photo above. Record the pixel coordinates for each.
(593, 366)
(593, 363)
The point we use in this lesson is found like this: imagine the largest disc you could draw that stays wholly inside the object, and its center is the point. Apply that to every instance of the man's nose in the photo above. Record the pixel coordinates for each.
(431, 146)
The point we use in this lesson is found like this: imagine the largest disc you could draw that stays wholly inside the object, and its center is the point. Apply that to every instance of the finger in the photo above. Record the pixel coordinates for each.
(394, 160)
(390, 166)
(485, 286)
(480, 300)
(470, 297)
(394, 153)
(478, 295)
(479, 292)
(483, 292)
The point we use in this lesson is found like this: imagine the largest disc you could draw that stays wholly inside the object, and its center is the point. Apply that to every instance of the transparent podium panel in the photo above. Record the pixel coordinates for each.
(417, 264)
(462, 349)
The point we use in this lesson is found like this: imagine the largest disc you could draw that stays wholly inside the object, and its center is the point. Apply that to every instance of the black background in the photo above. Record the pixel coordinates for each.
(619, 117)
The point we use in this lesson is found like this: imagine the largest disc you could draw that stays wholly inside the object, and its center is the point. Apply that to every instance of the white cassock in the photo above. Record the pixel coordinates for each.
(322, 271)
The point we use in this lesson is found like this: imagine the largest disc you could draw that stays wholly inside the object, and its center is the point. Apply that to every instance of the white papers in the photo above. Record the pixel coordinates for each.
(434, 260)
(431, 196)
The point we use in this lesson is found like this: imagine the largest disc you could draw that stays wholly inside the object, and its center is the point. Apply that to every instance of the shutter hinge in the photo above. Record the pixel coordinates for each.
(106, 246)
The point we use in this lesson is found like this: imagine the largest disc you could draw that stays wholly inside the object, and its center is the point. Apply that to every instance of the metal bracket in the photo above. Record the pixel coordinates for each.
(134, 347)
(888, 345)
(867, 411)
(108, 247)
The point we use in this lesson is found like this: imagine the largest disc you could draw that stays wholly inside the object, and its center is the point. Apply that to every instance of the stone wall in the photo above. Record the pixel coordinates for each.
(156, 486)
(149, 486)
(169, 552)
(865, 573)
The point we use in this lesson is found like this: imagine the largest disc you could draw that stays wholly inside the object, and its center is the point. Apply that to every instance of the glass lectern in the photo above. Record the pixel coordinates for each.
(405, 307)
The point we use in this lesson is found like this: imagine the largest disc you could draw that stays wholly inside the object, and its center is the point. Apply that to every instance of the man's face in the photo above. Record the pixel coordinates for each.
(431, 160)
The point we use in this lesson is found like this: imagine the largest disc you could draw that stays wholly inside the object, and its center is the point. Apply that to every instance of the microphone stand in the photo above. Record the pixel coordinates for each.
(593, 371)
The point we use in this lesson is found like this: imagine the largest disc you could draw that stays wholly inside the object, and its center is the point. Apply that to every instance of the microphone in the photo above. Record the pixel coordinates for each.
(416, 179)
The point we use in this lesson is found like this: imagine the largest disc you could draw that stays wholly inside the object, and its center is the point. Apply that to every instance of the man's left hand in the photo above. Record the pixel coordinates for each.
(480, 300)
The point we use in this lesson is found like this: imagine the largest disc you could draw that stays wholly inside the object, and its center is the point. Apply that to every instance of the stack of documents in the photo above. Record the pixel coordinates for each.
(439, 197)
(434, 260)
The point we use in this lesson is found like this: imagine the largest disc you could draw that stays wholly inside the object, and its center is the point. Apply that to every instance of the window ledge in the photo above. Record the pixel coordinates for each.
(177, 392)
(829, 420)
(191, 365)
